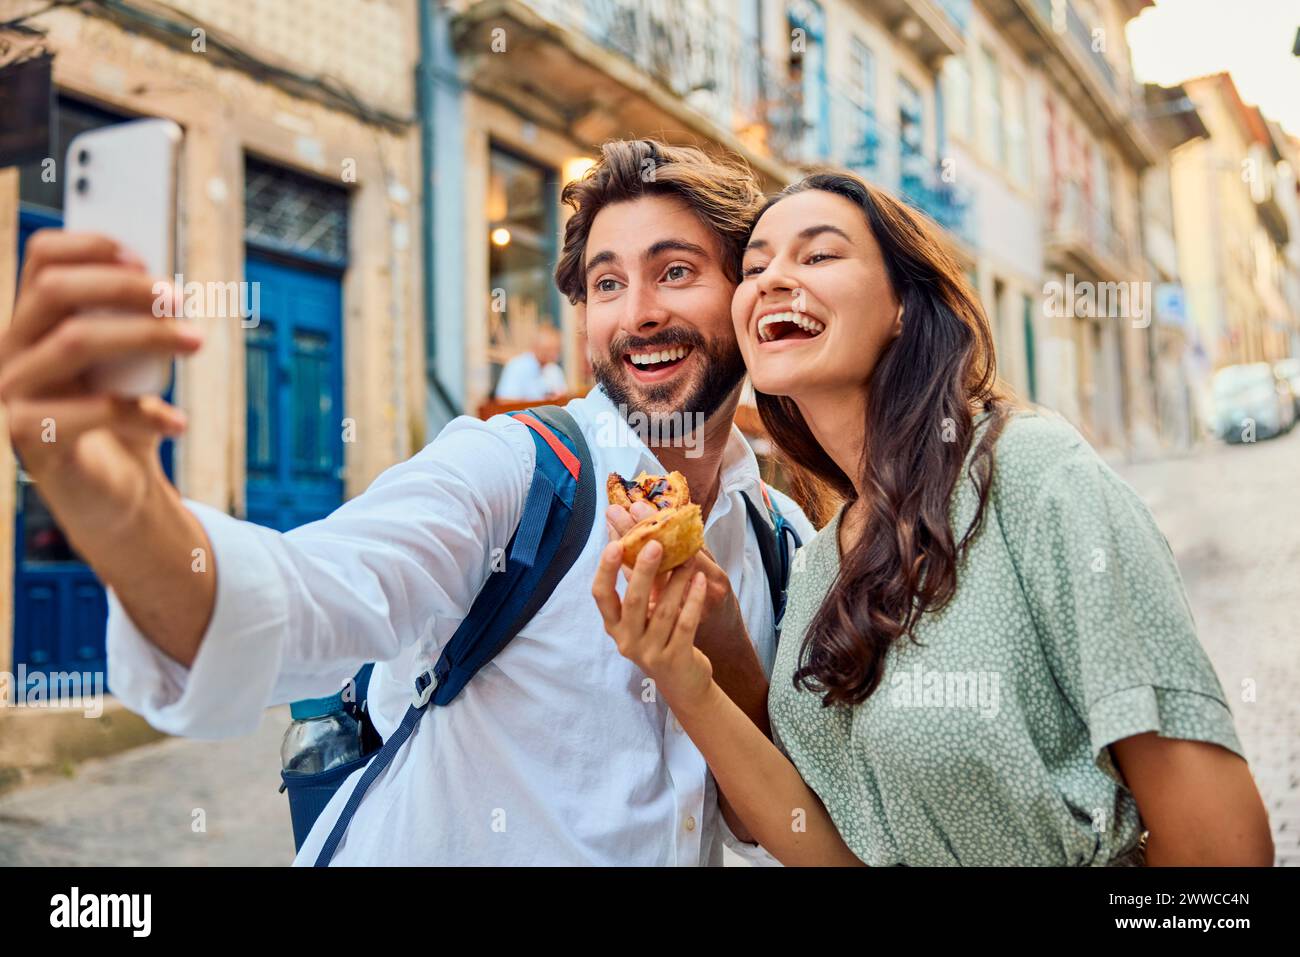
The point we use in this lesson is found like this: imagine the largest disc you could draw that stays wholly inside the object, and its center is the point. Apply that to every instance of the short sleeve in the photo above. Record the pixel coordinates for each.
(1112, 614)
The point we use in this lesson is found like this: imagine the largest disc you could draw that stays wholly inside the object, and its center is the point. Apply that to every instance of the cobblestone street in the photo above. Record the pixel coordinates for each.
(1232, 516)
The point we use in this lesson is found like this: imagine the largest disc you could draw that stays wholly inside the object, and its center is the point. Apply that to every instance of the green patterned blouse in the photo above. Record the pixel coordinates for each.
(986, 741)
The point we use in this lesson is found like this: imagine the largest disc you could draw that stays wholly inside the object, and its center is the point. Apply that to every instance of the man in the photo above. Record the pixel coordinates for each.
(557, 752)
(535, 374)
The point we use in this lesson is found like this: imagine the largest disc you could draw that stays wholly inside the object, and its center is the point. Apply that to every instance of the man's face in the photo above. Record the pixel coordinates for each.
(658, 311)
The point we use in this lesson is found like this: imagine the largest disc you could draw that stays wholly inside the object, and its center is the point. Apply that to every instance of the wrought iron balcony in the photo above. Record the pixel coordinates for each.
(1053, 33)
(884, 156)
(1062, 12)
(958, 11)
(605, 67)
(934, 29)
(1082, 236)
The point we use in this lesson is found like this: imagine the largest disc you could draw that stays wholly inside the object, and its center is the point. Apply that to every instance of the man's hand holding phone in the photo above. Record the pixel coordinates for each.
(84, 302)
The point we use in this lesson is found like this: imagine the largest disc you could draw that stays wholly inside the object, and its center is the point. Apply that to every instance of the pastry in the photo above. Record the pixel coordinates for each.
(679, 529)
(662, 491)
(678, 526)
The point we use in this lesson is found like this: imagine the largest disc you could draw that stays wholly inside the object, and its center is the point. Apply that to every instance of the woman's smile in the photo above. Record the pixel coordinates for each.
(785, 326)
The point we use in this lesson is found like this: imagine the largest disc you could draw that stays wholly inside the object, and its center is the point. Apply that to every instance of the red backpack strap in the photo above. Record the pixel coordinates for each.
(561, 450)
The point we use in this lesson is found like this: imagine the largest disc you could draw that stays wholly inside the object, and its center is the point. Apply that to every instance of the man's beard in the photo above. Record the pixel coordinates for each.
(722, 369)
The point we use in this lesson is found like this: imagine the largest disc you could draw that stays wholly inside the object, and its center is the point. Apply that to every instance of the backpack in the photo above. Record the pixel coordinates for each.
(559, 511)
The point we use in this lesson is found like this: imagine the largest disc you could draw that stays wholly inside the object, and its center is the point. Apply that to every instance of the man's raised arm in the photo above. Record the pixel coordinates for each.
(212, 619)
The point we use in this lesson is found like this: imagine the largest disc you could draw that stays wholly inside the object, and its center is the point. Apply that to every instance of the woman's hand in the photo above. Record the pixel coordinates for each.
(660, 637)
(722, 624)
(721, 634)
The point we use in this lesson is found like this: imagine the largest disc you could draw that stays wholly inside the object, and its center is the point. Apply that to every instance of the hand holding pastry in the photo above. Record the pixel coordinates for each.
(722, 633)
(660, 637)
(677, 524)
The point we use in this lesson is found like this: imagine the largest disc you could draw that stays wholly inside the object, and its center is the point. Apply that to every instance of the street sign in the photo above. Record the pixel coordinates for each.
(1171, 304)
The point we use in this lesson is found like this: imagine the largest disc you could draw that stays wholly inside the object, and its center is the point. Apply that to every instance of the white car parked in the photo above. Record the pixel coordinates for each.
(1252, 401)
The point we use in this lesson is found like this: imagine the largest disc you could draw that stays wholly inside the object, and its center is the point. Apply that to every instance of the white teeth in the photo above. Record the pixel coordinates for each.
(797, 318)
(666, 355)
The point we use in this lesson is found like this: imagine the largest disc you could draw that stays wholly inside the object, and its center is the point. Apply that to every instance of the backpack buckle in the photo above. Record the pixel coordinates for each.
(425, 685)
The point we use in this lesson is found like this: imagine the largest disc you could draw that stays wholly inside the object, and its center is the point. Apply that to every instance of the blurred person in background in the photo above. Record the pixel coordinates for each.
(536, 374)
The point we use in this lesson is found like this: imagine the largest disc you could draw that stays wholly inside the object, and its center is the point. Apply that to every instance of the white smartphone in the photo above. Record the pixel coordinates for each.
(121, 181)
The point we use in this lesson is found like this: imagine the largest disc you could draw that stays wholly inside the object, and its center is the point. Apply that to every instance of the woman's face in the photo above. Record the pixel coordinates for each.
(814, 309)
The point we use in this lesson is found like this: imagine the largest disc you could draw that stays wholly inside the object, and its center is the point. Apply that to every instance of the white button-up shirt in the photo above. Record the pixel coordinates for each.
(557, 752)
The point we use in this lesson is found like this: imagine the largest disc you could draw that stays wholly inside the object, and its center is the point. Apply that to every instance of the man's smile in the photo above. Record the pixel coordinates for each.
(656, 365)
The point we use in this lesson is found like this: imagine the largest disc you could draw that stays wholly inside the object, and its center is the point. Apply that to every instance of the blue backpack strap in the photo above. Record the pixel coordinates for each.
(777, 541)
(559, 511)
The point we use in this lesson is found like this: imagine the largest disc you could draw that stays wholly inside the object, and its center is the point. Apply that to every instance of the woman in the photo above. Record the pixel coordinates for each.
(987, 656)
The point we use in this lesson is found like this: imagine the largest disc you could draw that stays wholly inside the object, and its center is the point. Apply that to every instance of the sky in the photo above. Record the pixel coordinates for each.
(1179, 39)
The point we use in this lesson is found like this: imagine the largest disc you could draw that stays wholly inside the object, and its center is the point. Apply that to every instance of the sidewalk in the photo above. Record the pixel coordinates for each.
(144, 807)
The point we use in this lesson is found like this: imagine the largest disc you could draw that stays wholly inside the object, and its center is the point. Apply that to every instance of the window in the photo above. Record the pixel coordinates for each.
(957, 97)
(911, 131)
(864, 138)
(1016, 138)
(1103, 217)
(521, 220)
(293, 213)
(806, 68)
(991, 140)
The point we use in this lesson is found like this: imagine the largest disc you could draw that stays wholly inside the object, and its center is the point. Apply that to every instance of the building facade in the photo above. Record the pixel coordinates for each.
(533, 86)
(387, 174)
(299, 171)
(1232, 194)
(1178, 358)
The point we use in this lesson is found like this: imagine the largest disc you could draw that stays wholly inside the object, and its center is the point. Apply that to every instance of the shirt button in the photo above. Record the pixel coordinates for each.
(690, 822)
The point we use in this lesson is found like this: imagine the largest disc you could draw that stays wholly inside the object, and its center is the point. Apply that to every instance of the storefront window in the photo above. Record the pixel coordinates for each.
(522, 218)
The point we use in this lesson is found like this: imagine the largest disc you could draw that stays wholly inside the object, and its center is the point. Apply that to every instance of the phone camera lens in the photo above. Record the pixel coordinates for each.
(83, 185)
(83, 157)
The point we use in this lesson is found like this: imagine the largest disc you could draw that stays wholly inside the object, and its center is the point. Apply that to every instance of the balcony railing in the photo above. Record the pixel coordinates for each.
(1073, 217)
(958, 11)
(689, 49)
(718, 70)
(1065, 19)
(881, 154)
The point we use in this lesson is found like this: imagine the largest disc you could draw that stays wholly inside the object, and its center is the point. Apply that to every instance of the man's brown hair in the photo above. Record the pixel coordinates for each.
(722, 192)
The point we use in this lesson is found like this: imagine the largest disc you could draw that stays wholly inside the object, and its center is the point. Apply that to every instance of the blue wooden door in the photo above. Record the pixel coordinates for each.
(294, 376)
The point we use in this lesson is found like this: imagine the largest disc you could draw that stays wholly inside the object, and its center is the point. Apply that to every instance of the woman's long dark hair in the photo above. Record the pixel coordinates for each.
(922, 398)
